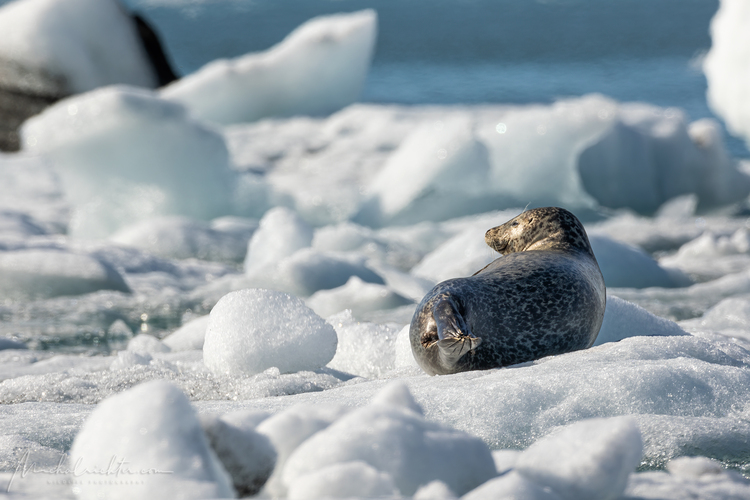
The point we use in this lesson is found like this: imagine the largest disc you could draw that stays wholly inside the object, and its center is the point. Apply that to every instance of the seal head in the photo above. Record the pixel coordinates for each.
(544, 296)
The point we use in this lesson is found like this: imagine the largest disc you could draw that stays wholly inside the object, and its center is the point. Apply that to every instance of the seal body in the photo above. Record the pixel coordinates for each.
(544, 296)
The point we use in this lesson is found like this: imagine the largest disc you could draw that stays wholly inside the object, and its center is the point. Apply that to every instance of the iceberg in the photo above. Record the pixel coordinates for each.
(317, 69)
(727, 66)
(124, 155)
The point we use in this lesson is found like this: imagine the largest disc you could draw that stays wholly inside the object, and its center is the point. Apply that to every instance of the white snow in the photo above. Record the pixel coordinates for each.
(73, 46)
(727, 66)
(730, 317)
(290, 428)
(650, 155)
(252, 330)
(280, 234)
(363, 349)
(317, 69)
(696, 477)
(511, 486)
(144, 343)
(398, 441)
(150, 438)
(623, 319)
(343, 480)
(712, 255)
(589, 460)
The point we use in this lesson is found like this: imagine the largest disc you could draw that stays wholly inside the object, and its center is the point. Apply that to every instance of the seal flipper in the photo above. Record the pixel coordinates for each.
(455, 338)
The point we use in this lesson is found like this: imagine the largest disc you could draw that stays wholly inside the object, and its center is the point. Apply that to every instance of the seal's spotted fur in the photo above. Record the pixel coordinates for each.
(545, 296)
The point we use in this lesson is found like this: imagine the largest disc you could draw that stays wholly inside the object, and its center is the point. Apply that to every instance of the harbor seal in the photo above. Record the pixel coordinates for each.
(544, 296)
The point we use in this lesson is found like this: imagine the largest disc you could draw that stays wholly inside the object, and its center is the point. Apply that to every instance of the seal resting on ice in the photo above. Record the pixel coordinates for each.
(545, 295)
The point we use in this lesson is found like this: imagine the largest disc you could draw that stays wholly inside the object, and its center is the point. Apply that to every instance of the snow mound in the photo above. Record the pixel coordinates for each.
(357, 296)
(713, 254)
(317, 69)
(727, 66)
(252, 330)
(189, 336)
(44, 273)
(144, 343)
(280, 234)
(183, 238)
(288, 429)
(247, 456)
(623, 319)
(151, 428)
(729, 317)
(395, 440)
(343, 480)
(650, 155)
(710, 245)
(461, 256)
(627, 266)
(435, 172)
(364, 349)
(73, 46)
(689, 477)
(350, 237)
(511, 486)
(310, 270)
(589, 460)
(125, 155)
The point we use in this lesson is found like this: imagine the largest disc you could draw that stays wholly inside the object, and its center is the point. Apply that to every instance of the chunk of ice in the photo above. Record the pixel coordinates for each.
(589, 460)
(151, 428)
(252, 330)
(317, 69)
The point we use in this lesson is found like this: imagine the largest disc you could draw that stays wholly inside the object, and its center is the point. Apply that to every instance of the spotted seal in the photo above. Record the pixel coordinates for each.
(545, 295)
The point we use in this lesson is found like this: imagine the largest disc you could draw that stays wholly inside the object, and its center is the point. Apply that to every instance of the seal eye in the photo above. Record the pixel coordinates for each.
(515, 223)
